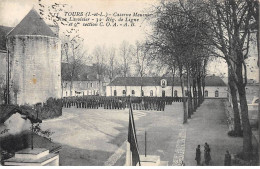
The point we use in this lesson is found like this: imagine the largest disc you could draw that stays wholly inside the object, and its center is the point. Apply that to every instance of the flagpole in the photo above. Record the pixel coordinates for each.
(131, 116)
(128, 150)
(145, 143)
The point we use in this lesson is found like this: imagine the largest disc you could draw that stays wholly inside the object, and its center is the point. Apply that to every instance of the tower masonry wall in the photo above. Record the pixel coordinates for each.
(35, 68)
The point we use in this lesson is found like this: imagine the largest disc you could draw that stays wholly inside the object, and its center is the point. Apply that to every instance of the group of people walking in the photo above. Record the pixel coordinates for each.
(207, 156)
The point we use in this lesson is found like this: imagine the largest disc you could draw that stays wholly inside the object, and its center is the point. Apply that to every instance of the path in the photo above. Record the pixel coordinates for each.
(208, 124)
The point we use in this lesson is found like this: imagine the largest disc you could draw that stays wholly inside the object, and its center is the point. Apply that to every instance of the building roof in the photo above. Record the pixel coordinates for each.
(145, 81)
(32, 24)
(3, 32)
(156, 81)
(214, 81)
(82, 73)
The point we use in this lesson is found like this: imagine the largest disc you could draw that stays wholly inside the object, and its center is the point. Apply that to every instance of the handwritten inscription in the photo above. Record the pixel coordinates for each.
(102, 19)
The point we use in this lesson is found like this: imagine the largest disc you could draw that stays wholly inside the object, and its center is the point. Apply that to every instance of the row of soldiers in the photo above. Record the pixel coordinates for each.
(116, 103)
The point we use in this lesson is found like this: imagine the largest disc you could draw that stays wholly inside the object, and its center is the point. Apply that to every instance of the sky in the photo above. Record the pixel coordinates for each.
(13, 11)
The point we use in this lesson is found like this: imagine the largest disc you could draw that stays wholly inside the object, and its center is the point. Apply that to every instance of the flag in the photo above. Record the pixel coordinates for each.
(132, 150)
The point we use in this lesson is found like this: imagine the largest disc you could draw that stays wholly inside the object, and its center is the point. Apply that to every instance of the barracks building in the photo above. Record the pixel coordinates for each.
(162, 87)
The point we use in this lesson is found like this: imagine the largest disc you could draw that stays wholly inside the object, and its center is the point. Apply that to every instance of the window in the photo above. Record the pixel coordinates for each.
(133, 92)
(66, 93)
(163, 83)
(163, 93)
(114, 92)
(93, 92)
(216, 93)
(206, 93)
(124, 93)
(175, 93)
(142, 93)
(87, 85)
(91, 84)
(151, 93)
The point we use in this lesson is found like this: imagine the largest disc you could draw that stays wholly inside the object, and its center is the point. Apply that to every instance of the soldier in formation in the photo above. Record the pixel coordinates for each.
(138, 103)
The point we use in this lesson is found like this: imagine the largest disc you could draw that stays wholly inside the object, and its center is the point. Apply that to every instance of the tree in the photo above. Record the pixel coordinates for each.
(181, 42)
(126, 53)
(231, 34)
(212, 49)
(141, 61)
(111, 63)
(166, 39)
(173, 68)
(100, 54)
(74, 55)
(228, 32)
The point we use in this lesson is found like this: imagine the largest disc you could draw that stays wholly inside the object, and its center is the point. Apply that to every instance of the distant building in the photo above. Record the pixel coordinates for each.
(161, 87)
(252, 90)
(30, 61)
(83, 88)
(86, 83)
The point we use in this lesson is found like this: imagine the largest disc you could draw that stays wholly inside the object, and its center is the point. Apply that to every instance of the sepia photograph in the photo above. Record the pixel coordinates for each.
(129, 83)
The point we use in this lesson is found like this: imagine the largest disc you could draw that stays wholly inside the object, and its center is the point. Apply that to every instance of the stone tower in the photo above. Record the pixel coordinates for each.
(34, 61)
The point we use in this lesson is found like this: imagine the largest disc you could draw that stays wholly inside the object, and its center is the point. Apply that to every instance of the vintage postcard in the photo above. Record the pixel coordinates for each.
(129, 83)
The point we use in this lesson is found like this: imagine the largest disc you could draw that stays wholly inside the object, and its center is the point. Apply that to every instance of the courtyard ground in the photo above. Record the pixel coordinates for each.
(97, 136)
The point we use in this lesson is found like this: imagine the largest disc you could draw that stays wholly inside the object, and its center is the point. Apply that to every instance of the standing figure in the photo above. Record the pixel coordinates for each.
(227, 161)
(207, 156)
(198, 155)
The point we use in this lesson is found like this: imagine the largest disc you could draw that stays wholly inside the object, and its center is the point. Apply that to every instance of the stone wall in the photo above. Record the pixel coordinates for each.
(3, 63)
(2, 75)
(35, 68)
